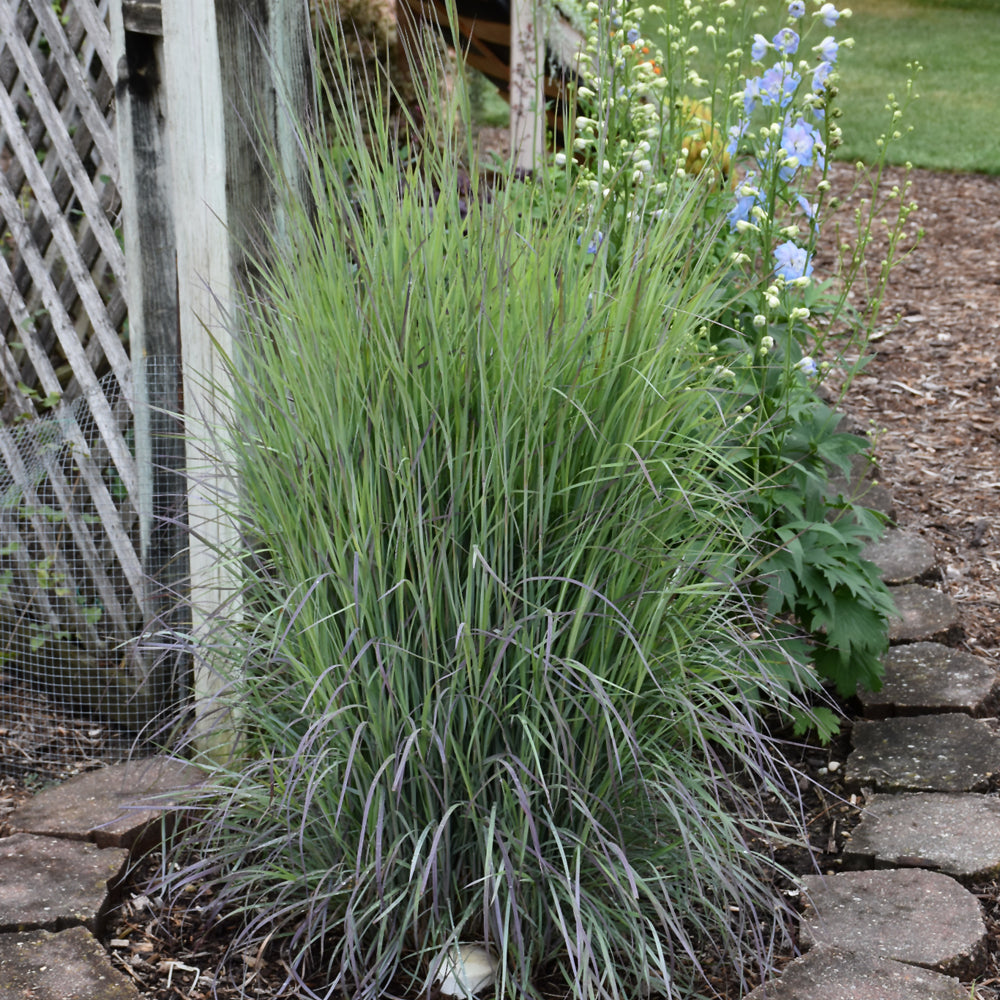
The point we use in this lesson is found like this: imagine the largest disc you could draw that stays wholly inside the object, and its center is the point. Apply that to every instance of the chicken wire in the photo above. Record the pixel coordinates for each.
(80, 680)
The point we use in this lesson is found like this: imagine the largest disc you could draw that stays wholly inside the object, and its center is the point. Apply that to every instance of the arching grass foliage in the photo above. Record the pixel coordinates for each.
(499, 675)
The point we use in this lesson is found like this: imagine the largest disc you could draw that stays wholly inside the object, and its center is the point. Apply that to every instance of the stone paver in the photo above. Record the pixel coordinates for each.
(54, 884)
(62, 871)
(113, 806)
(955, 834)
(925, 615)
(70, 965)
(925, 677)
(933, 753)
(915, 916)
(866, 492)
(834, 974)
(902, 556)
(862, 486)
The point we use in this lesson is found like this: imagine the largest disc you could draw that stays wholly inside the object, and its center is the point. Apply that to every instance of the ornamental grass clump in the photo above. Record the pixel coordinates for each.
(495, 678)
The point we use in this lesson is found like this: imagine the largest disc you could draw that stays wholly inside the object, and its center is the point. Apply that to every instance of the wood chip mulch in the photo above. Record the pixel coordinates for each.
(931, 393)
(930, 397)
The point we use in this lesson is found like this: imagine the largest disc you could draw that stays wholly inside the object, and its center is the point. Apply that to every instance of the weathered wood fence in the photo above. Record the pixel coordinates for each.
(129, 179)
(72, 587)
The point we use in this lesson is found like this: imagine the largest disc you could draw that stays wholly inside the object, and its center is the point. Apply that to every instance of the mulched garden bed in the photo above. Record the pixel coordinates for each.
(931, 397)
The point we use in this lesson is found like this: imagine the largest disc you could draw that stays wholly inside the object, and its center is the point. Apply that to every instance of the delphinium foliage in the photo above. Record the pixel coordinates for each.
(513, 464)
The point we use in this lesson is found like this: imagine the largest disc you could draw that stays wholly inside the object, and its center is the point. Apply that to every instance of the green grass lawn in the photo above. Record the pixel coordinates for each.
(957, 117)
(956, 120)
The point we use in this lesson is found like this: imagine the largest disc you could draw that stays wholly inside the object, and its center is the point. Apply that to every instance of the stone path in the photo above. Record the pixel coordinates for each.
(900, 924)
(62, 870)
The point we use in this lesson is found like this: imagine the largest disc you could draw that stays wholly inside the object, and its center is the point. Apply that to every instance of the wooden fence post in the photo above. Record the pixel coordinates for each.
(527, 73)
(150, 251)
(235, 75)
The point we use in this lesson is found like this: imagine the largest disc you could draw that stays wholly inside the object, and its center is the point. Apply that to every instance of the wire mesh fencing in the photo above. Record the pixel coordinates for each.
(81, 676)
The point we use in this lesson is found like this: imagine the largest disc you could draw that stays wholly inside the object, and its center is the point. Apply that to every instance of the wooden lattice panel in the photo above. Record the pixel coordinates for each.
(71, 585)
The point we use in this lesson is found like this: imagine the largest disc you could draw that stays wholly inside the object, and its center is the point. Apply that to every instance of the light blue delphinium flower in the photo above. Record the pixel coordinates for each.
(595, 241)
(778, 85)
(787, 172)
(759, 47)
(807, 366)
(799, 139)
(735, 133)
(828, 49)
(632, 37)
(797, 9)
(820, 75)
(746, 197)
(829, 13)
(751, 94)
(786, 42)
(792, 262)
(808, 207)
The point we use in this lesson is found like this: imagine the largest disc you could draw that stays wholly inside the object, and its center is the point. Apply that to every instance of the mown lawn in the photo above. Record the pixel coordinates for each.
(956, 120)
